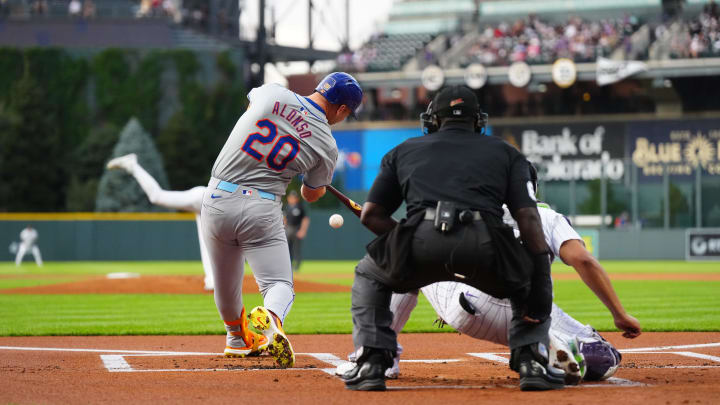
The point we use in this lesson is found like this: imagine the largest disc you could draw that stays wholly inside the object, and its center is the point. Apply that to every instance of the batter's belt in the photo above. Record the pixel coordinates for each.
(245, 190)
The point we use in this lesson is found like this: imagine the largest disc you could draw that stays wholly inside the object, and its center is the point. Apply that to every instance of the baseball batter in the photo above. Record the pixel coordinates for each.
(188, 200)
(281, 135)
(28, 243)
(481, 316)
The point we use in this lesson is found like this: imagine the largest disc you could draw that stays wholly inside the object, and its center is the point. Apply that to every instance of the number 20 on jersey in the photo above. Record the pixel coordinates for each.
(273, 159)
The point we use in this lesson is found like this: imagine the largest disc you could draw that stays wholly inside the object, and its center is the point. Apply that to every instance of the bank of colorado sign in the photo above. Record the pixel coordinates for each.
(702, 244)
(571, 152)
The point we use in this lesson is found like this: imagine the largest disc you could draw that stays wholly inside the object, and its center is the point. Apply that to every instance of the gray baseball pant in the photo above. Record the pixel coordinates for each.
(246, 225)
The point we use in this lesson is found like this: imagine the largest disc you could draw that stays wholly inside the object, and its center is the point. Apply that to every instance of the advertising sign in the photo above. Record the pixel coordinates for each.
(679, 146)
(591, 238)
(564, 73)
(475, 76)
(378, 142)
(574, 151)
(519, 74)
(432, 77)
(360, 152)
(612, 71)
(702, 244)
(350, 158)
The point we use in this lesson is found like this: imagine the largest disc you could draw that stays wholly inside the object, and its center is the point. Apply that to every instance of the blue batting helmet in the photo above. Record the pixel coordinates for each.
(341, 88)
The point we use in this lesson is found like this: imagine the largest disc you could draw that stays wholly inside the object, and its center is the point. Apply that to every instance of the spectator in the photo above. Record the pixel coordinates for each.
(89, 9)
(144, 10)
(155, 6)
(4, 8)
(39, 7)
(172, 10)
(621, 221)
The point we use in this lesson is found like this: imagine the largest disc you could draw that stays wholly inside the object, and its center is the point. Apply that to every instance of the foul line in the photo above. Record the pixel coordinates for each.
(699, 356)
(659, 348)
(155, 353)
(117, 362)
(611, 382)
(492, 357)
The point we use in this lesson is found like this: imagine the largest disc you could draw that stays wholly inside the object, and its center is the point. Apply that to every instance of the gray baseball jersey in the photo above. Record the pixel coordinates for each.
(280, 136)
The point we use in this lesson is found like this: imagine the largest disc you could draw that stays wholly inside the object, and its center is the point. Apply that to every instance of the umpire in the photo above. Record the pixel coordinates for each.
(454, 182)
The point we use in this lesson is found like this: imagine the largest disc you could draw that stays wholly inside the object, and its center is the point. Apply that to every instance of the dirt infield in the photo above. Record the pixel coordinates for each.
(156, 285)
(194, 284)
(658, 368)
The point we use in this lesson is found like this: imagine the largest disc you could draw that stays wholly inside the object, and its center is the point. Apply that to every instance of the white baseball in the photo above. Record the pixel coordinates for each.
(336, 220)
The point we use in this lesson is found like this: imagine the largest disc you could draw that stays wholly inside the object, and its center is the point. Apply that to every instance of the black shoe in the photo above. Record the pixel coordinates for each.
(369, 373)
(365, 377)
(531, 362)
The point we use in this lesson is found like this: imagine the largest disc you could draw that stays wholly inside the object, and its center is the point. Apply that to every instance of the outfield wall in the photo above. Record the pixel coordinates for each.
(648, 244)
(168, 236)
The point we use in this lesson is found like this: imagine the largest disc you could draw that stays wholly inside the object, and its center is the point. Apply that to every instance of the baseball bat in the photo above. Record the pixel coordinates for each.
(352, 205)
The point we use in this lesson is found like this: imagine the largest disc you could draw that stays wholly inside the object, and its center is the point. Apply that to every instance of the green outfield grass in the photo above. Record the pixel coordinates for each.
(659, 305)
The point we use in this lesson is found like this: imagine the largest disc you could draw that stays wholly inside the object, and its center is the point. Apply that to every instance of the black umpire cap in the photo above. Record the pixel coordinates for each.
(456, 102)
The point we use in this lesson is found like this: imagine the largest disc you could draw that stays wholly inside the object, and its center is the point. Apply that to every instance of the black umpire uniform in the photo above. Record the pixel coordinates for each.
(454, 181)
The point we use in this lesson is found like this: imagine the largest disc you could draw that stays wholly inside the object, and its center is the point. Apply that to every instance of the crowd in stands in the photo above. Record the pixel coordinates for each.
(689, 38)
(160, 8)
(535, 41)
(84, 9)
(192, 13)
(531, 40)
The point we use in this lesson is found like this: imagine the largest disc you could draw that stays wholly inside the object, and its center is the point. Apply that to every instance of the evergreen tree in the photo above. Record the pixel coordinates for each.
(185, 148)
(194, 135)
(87, 165)
(32, 175)
(678, 205)
(118, 191)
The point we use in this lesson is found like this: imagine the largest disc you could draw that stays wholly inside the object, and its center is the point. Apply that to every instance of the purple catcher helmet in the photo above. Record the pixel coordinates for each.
(601, 359)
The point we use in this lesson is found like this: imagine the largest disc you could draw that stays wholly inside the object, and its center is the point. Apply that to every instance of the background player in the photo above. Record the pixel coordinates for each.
(296, 226)
(28, 242)
(188, 200)
(481, 316)
(281, 135)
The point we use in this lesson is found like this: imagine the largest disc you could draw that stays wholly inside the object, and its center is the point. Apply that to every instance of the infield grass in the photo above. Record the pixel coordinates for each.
(659, 305)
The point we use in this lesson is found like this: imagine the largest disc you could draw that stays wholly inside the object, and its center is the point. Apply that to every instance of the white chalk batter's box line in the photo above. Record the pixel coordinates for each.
(117, 363)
